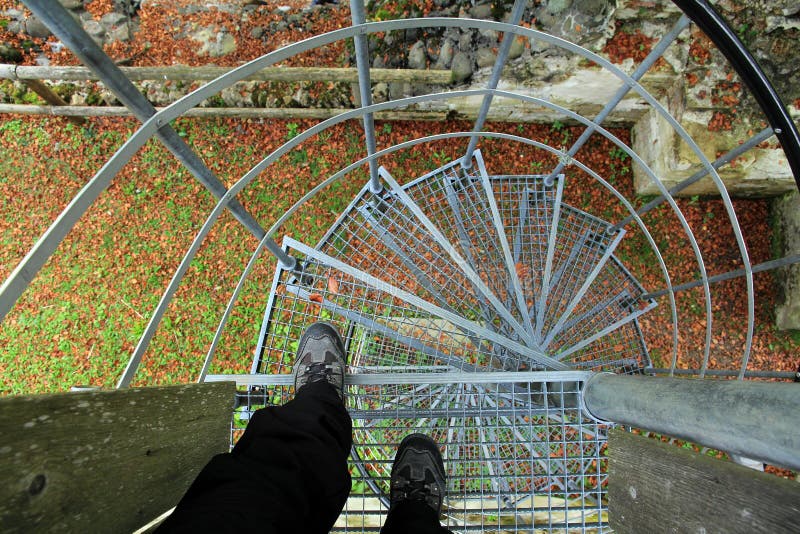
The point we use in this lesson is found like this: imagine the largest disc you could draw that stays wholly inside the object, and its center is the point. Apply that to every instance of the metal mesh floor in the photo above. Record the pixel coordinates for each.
(519, 455)
(473, 307)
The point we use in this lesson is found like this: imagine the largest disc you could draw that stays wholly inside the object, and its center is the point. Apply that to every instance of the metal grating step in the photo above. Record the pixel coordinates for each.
(527, 207)
(461, 203)
(518, 454)
(328, 289)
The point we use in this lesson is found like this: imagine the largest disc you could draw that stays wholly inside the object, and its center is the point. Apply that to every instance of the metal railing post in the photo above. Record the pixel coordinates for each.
(759, 420)
(502, 55)
(359, 16)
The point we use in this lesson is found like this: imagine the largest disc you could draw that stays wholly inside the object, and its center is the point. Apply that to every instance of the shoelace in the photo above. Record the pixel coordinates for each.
(417, 490)
(317, 372)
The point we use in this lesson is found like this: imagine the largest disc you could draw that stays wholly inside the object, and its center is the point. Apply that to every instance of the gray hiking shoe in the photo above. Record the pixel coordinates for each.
(320, 357)
(418, 473)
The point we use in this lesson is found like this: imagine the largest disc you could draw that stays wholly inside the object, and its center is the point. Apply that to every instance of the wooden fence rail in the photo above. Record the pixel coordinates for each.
(32, 76)
(271, 74)
(242, 113)
(656, 487)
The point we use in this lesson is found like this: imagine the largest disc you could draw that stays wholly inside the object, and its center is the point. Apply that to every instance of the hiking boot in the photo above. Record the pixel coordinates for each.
(320, 357)
(418, 473)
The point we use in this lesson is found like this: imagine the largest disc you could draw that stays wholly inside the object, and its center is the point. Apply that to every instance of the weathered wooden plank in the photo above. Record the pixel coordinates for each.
(106, 461)
(242, 113)
(186, 73)
(656, 487)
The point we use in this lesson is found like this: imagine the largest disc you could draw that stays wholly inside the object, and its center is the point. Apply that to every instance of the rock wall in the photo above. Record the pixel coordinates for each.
(786, 226)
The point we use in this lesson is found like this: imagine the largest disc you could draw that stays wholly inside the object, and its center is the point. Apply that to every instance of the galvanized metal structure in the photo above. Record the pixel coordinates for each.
(474, 306)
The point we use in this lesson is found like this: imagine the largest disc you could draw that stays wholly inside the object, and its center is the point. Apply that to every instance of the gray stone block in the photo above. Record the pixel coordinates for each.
(95, 31)
(485, 57)
(482, 11)
(399, 90)
(36, 28)
(72, 4)
(517, 48)
(787, 226)
(465, 42)
(215, 44)
(461, 68)
(380, 92)
(112, 20)
(557, 6)
(120, 33)
(417, 59)
(445, 55)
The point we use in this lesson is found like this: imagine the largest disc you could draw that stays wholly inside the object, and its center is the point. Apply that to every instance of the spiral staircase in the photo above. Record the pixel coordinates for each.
(474, 306)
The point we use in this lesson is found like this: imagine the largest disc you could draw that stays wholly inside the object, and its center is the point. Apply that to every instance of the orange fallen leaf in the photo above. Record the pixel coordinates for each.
(522, 270)
(333, 285)
(315, 297)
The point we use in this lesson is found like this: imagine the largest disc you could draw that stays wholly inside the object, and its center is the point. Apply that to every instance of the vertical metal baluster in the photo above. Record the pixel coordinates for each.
(640, 71)
(502, 55)
(359, 16)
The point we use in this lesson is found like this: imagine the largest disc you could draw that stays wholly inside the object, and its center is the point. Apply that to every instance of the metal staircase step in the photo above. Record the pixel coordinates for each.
(379, 297)
(528, 208)
(481, 283)
(462, 204)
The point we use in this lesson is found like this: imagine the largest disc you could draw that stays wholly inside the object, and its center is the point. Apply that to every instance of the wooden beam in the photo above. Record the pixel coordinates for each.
(106, 461)
(657, 487)
(51, 98)
(190, 74)
(242, 113)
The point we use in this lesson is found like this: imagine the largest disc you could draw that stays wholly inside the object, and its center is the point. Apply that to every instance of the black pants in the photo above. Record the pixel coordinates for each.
(287, 473)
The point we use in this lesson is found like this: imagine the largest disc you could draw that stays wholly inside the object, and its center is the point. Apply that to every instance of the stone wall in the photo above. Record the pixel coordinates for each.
(786, 227)
(693, 81)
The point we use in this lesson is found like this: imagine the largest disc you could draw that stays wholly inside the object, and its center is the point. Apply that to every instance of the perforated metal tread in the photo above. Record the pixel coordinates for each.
(519, 456)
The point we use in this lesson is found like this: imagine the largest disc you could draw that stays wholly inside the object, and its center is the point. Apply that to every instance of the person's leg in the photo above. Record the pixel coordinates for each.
(417, 488)
(288, 472)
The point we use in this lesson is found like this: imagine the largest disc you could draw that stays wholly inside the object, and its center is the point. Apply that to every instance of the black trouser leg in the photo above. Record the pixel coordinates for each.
(287, 473)
(413, 517)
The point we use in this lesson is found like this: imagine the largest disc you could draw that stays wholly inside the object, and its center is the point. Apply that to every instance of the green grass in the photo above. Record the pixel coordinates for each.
(83, 314)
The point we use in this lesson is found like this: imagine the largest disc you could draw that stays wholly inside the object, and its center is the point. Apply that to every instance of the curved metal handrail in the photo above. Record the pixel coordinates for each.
(240, 184)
